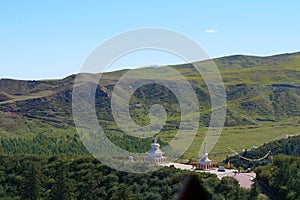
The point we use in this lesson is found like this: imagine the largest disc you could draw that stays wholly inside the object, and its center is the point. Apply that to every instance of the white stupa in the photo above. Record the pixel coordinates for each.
(204, 162)
(155, 155)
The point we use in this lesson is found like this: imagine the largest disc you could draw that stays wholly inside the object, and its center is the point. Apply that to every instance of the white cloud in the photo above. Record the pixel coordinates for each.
(210, 31)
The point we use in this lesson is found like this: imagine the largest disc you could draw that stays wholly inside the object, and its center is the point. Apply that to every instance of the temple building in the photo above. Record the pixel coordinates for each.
(155, 155)
(204, 162)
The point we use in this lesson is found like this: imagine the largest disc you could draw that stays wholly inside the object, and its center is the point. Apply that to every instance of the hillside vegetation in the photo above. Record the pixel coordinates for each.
(263, 96)
(281, 179)
(83, 177)
(289, 146)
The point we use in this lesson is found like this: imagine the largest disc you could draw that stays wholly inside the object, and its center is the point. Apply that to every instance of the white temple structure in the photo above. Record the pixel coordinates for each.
(204, 162)
(155, 155)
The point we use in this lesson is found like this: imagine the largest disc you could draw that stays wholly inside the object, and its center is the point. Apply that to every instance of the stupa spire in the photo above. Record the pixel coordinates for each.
(204, 148)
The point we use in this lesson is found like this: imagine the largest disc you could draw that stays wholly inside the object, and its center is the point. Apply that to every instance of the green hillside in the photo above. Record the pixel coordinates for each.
(263, 103)
(289, 145)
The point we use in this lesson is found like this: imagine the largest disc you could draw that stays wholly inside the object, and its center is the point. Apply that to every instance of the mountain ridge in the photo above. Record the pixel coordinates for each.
(258, 89)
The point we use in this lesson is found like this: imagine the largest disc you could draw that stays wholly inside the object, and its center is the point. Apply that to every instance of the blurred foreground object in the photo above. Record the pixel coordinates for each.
(192, 189)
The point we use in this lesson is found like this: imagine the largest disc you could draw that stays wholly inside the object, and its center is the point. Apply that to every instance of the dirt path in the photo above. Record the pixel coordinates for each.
(26, 97)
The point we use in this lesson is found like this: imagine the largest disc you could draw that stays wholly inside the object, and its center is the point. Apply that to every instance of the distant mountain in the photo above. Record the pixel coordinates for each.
(259, 89)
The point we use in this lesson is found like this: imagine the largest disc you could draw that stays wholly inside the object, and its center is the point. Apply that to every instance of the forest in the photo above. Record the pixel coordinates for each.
(69, 144)
(48, 167)
(282, 179)
(83, 177)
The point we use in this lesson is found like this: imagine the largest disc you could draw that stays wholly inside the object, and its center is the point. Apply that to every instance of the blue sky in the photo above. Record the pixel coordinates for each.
(51, 39)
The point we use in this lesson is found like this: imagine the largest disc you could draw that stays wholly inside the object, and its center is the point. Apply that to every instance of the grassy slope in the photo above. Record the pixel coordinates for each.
(262, 93)
(242, 137)
(247, 70)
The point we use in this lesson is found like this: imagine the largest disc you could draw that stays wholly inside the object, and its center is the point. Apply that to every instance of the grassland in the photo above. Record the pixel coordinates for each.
(241, 137)
(263, 103)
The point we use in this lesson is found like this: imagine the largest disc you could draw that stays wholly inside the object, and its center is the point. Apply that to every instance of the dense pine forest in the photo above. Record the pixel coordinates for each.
(36, 169)
(83, 177)
(69, 145)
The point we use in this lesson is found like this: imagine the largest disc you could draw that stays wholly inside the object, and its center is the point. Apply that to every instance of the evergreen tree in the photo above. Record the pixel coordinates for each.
(229, 188)
(123, 192)
(64, 187)
(91, 189)
(32, 186)
(254, 192)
